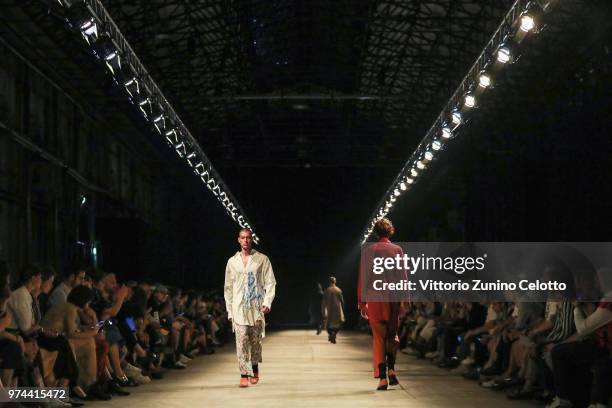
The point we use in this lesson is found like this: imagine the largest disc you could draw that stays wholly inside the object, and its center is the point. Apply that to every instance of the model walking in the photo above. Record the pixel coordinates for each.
(249, 291)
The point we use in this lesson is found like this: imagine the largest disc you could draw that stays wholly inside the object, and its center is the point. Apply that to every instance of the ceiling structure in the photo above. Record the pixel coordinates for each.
(307, 83)
(322, 102)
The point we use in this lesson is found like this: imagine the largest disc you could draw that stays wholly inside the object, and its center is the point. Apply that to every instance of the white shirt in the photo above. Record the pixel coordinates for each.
(59, 295)
(248, 288)
(20, 304)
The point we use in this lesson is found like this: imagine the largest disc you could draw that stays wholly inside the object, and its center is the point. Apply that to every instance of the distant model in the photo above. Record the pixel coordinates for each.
(333, 307)
(315, 309)
(249, 291)
(383, 316)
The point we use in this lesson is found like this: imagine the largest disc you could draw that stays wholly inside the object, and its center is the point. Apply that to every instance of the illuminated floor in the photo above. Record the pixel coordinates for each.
(301, 369)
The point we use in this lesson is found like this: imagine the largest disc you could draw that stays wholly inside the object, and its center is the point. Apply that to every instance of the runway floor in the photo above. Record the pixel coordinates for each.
(301, 369)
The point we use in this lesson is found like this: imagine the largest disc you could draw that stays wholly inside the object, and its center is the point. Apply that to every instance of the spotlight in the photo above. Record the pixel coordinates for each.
(89, 30)
(105, 48)
(396, 192)
(393, 199)
(447, 133)
(199, 169)
(132, 87)
(180, 148)
(113, 61)
(81, 17)
(505, 53)
(414, 173)
(403, 186)
(456, 117)
(160, 123)
(470, 101)
(191, 158)
(146, 107)
(527, 22)
(172, 137)
(409, 180)
(530, 21)
(420, 165)
(429, 156)
(484, 80)
(436, 145)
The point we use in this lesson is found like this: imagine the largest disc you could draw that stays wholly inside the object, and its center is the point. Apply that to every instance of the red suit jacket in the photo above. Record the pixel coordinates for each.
(378, 311)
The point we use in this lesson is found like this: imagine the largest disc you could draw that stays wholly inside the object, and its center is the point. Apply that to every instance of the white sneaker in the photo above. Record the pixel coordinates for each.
(57, 403)
(432, 354)
(559, 403)
(138, 378)
(467, 361)
(410, 351)
(181, 364)
(462, 369)
(185, 357)
(183, 360)
(487, 384)
(132, 368)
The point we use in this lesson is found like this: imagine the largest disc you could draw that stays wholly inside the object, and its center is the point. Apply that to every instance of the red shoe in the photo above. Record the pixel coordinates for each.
(382, 384)
(254, 379)
(393, 378)
(244, 382)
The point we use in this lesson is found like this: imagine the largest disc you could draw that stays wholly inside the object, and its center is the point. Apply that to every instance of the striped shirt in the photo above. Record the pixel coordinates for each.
(561, 315)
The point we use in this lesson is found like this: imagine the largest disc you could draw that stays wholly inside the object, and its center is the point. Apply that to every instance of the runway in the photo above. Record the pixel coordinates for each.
(301, 369)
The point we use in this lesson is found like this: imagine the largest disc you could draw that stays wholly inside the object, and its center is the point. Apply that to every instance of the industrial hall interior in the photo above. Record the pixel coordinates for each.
(191, 191)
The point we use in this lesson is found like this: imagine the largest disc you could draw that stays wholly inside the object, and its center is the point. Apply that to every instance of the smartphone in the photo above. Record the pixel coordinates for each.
(130, 323)
(99, 325)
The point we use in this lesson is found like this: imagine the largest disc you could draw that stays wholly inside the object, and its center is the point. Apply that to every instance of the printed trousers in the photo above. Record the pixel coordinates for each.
(248, 347)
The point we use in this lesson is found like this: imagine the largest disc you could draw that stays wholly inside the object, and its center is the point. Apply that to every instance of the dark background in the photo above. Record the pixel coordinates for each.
(533, 163)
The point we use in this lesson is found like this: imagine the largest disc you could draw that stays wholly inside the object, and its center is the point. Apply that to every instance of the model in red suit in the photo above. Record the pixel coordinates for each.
(383, 316)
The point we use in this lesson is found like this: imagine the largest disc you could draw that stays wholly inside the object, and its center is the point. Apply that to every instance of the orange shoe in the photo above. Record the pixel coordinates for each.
(255, 379)
(244, 382)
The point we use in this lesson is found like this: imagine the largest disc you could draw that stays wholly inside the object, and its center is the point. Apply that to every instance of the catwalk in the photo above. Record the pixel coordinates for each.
(301, 369)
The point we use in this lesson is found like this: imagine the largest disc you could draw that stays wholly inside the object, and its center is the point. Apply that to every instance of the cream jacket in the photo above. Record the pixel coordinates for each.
(248, 288)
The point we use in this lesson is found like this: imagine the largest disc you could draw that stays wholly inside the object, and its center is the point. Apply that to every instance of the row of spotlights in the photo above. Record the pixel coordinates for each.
(89, 27)
(505, 54)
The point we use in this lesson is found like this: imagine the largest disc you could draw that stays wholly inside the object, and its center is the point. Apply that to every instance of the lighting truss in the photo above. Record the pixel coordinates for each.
(109, 45)
(523, 18)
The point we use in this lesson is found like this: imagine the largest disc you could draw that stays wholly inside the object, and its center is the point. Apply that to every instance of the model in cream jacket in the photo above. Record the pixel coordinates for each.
(248, 288)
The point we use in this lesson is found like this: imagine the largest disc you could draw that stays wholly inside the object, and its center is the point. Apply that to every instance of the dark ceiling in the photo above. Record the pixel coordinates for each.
(283, 83)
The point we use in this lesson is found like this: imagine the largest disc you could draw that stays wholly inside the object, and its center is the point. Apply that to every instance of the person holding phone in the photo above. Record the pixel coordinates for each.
(249, 290)
(62, 319)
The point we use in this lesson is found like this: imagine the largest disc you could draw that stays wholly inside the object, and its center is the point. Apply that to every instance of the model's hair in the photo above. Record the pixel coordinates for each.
(332, 280)
(383, 228)
(245, 230)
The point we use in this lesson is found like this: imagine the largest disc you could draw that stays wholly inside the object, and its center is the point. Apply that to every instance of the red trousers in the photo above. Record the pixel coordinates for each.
(384, 339)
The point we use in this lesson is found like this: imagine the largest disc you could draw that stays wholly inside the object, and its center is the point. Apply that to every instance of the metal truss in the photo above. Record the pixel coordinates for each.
(360, 74)
(556, 27)
(419, 49)
(105, 39)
